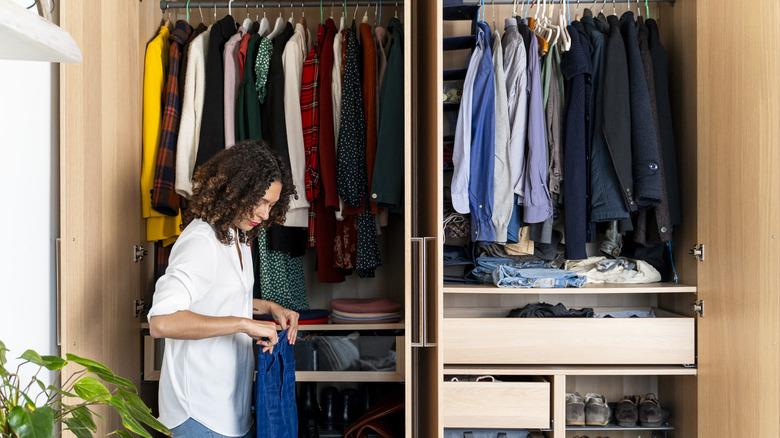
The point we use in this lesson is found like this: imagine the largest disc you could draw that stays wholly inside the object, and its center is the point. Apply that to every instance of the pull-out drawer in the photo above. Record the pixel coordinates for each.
(667, 339)
(523, 405)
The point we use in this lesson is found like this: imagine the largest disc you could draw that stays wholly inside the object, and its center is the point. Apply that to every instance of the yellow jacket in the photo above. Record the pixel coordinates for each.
(158, 225)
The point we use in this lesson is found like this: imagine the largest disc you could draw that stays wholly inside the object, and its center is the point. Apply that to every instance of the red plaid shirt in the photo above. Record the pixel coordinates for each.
(310, 118)
(164, 196)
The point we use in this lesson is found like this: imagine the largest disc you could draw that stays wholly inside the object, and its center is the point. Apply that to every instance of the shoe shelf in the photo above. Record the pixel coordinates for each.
(615, 427)
(648, 288)
(348, 376)
(572, 370)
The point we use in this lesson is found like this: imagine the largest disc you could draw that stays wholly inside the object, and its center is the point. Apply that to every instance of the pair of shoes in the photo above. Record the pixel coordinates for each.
(593, 411)
(338, 409)
(644, 409)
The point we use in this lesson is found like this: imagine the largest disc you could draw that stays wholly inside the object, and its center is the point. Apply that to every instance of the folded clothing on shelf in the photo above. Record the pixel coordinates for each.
(544, 310)
(310, 316)
(346, 320)
(365, 305)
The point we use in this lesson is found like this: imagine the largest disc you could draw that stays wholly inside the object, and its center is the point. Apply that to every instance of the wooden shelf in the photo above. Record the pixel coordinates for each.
(348, 376)
(358, 327)
(325, 327)
(648, 288)
(572, 370)
(327, 376)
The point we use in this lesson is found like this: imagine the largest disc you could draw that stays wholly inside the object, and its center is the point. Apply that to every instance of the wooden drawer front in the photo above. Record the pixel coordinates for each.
(496, 404)
(595, 341)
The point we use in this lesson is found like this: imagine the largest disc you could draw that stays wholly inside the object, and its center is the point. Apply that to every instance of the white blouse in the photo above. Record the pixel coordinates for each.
(209, 380)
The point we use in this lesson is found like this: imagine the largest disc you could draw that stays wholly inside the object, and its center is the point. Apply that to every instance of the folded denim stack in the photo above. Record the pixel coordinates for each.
(310, 316)
(535, 273)
(364, 311)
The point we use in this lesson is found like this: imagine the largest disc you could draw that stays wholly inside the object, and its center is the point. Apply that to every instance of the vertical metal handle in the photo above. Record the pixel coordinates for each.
(424, 280)
(420, 287)
(58, 294)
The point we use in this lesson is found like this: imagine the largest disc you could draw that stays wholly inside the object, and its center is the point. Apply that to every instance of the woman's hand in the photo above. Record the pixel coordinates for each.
(264, 332)
(288, 319)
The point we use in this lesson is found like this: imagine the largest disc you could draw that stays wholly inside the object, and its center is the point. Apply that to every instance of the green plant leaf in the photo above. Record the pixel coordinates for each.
(60, 391)
(141, 411)
(101, 371)
(127, 419)
(32, 356)
(38, 423)
(84, 416)
(40, 384)
(2, 353)
(90, 389)
(89, 364)
(77, 427)
(113, 379)
(53, 363)
(123, 433)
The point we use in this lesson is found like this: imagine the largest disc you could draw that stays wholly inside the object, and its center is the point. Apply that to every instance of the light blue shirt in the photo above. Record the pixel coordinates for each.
(536, 197)
(515, 65)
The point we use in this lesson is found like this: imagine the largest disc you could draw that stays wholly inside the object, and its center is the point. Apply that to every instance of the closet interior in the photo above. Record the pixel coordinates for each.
(517, 375)
(344, 368)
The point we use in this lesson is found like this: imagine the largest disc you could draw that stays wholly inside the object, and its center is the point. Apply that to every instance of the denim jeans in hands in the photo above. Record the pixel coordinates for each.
(192, 429)
(276, 411)
(510, 276)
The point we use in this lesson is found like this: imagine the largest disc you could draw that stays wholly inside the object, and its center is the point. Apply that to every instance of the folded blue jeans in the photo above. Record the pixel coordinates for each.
(487, 265)
(275, 408)
(510, 276)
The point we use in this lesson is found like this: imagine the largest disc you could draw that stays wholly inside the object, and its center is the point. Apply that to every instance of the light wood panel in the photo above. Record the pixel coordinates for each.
(650, 288)
(571, 370)
(496, 404)
(739, 221)
(637, 341)
(100, 119)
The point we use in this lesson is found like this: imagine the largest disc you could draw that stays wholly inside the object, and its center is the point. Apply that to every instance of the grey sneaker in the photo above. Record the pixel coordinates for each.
(597, 413)
(575, 410)
(626, 411)
(650, 412)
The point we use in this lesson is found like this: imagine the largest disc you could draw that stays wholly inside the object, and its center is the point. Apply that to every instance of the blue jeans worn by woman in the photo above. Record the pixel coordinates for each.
(192, 429)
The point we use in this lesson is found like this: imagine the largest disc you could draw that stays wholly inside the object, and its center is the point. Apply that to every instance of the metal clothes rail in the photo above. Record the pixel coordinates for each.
(238, 4)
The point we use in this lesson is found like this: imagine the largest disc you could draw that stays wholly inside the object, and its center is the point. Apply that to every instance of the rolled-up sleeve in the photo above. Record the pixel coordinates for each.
(190, 274)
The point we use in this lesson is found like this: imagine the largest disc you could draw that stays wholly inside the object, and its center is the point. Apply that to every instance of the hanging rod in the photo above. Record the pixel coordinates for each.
(243, 4)
(571, 2)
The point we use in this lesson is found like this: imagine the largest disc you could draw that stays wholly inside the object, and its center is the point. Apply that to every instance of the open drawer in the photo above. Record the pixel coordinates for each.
(524, 405)
(667, 339)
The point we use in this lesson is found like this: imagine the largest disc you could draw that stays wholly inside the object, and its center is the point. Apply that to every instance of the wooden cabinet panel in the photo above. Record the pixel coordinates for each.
(496, 404)
(604, 341)
(739, 222)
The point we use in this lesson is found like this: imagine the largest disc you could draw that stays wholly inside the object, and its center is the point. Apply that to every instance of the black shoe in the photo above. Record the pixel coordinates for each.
(349, 407)
(330, 407)
(308, 412)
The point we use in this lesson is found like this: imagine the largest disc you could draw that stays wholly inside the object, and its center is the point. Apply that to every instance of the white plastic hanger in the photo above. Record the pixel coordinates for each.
(230, 7)
(564, 37)
(278, 26)
(201, 14)
(292, 14)
(247, 21)
(265, 25)
(365, 14)
(555, 30)
(341, 20)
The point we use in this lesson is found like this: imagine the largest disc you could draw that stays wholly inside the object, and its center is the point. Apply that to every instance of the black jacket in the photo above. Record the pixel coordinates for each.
(212, 126)
(644, 144)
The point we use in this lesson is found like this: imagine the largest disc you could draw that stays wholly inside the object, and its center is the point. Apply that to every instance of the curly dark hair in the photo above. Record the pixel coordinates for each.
(230, 185)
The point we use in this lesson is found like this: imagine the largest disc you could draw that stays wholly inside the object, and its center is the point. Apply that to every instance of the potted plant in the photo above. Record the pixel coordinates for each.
(31, 409)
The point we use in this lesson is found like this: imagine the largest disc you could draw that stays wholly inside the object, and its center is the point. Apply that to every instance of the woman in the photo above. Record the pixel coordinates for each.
(203, 304)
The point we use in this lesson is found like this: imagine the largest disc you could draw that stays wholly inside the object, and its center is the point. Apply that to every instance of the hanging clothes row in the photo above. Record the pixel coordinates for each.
(330, 104)
(563, 125)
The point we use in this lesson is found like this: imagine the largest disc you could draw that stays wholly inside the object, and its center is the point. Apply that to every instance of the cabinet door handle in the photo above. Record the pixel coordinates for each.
(419, 286)
(58, 295)
(424, 265)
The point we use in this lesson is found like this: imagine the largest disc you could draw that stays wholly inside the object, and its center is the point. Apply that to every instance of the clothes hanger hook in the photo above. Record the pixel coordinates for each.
(201, 13)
